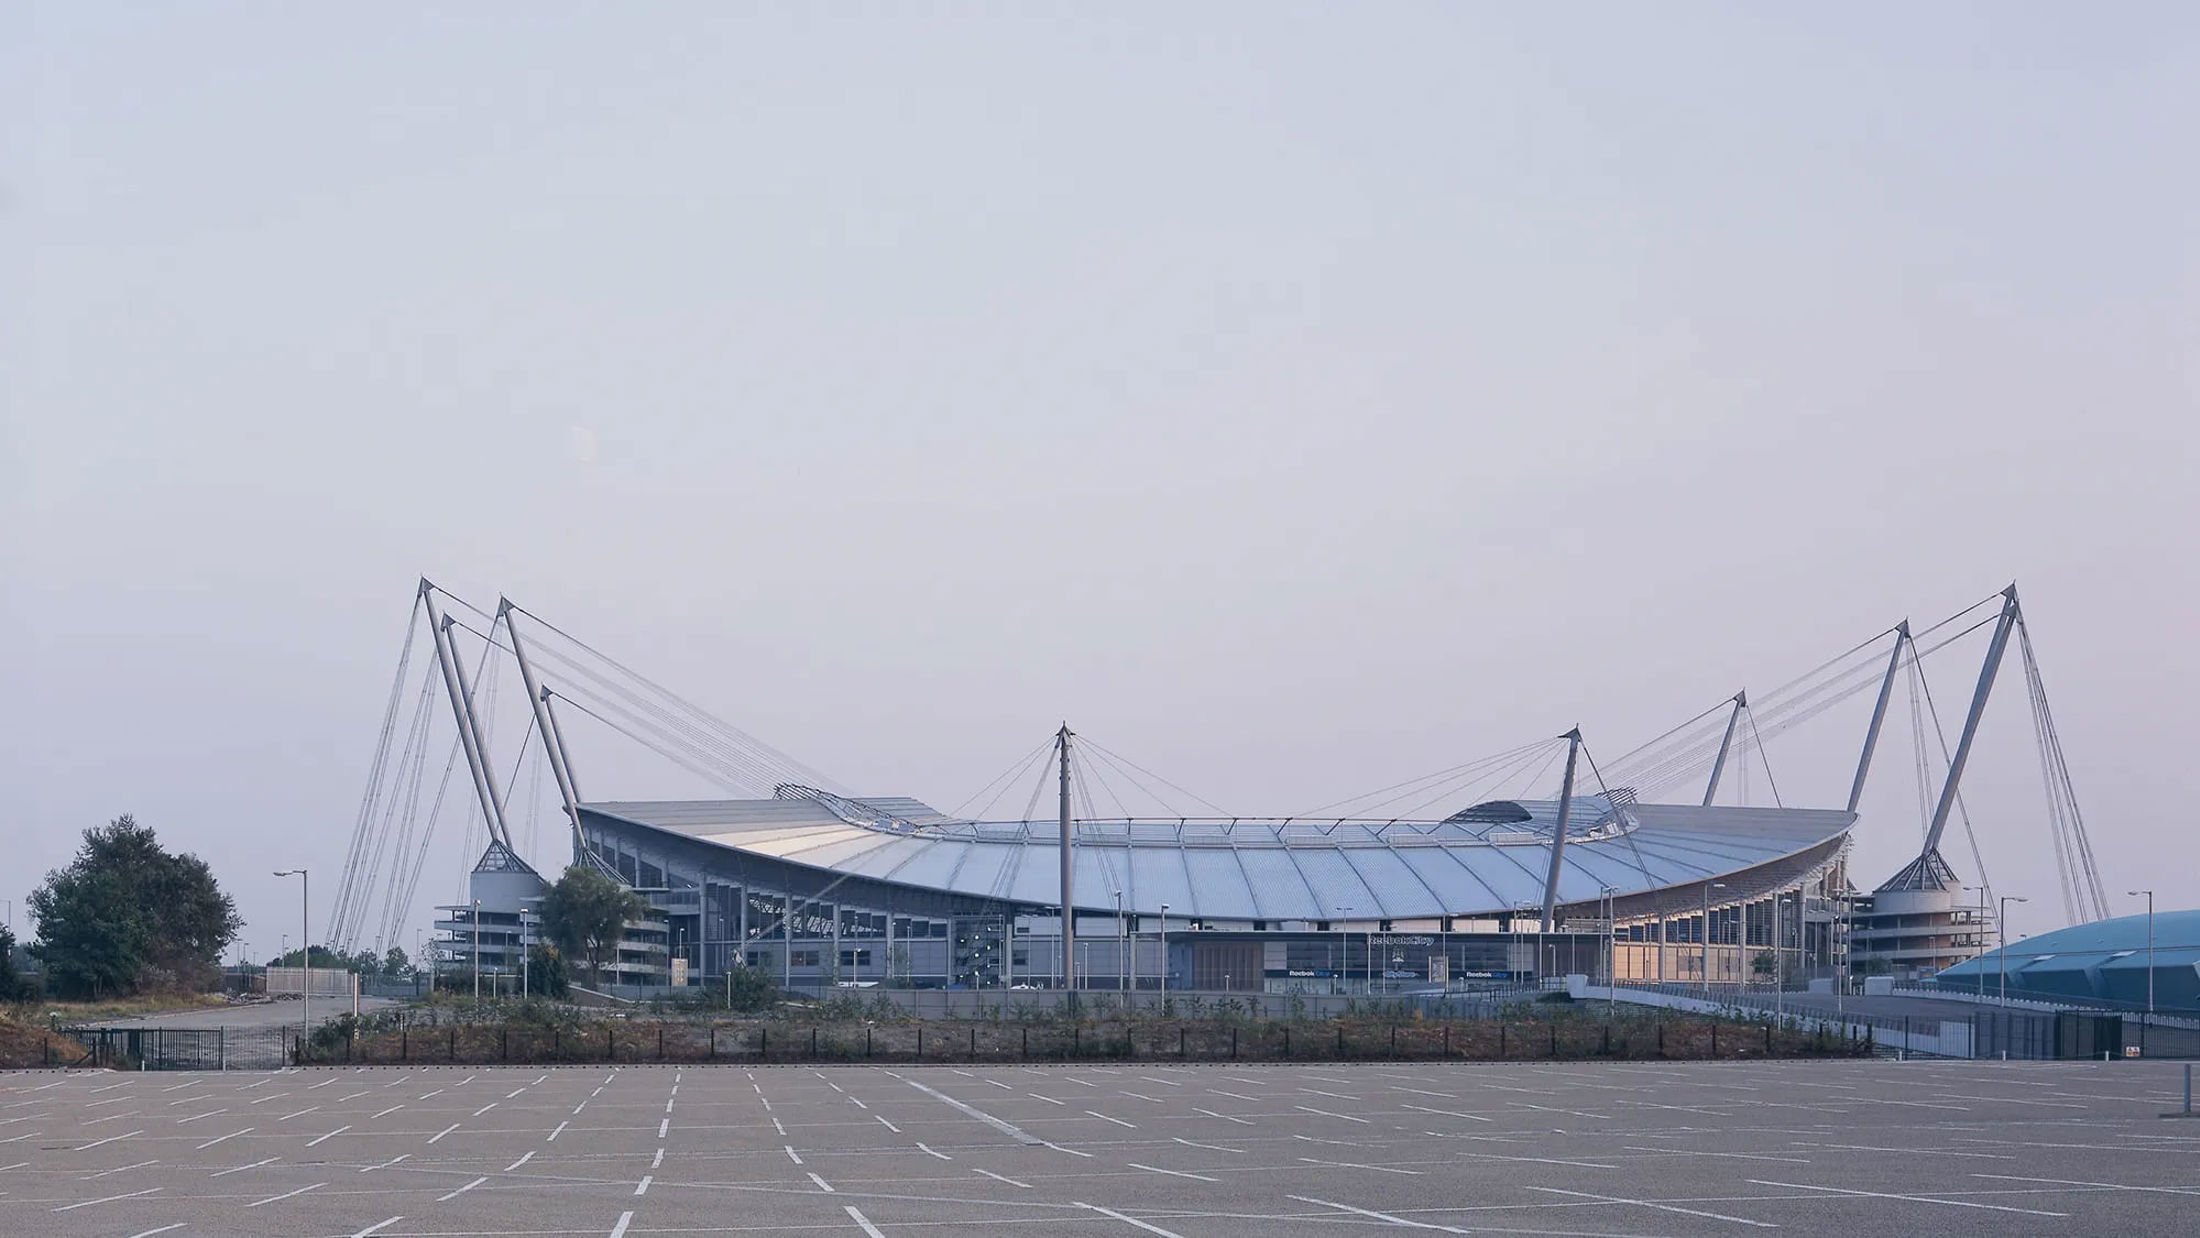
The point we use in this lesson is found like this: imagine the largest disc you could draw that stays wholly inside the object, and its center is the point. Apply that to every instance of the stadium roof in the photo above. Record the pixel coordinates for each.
(1491, 859)
(2121, 942)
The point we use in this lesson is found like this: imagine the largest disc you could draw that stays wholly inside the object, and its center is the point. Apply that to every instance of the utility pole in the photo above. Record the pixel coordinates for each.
(1069, 912)
(2001, 954)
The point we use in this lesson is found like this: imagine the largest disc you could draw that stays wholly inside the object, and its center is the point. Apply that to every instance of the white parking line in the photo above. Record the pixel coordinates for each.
(443, 1199)
(148, 1233)
(642, 1187)
(1644, 1203)
(521, 1161)
(870, 1230)
(106, 1199)
(1380, 1216)
(1001, 1178)
(317, 1140)
(619, 1230)
(1385, 1169)
(1105, 1118)
(223, 1173)
(1174, 1173)
(822, 1184)
(1913, 1199)
(376, 1228)
(1130, 1220)
(554, 1134)
(276, 1199)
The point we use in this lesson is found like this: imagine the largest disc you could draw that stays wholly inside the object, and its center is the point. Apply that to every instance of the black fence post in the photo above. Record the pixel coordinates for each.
(1180, 1040)
(1025, 1052)
(1714, 1036)
(714, 1042)
(611, 1044)
(764, 1043)
(1340, 1040)
(1768, 1039)
(1554, 1037)
(920, 1042)
(1287, 1040)
(1501, 1040)
(813, 1042)
(1233, 1043)
(452, 1052)
(1393, 1040)
(660, 1042)
(973, 1040)
(404, 1044)
(866, 1042)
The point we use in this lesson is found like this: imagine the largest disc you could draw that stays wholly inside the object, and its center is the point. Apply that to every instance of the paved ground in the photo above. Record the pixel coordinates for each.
(1861, 1147)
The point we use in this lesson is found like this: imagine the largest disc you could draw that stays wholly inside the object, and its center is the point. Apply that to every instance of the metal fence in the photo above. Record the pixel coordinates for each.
(174, 1048)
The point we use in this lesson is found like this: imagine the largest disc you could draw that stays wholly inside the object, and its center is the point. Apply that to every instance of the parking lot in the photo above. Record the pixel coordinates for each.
(1618, 1149)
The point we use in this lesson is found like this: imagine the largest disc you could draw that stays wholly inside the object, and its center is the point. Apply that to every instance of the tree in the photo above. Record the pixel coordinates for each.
(546, 971)
(585, 915)
(1764, 964)
(396, 965)
(13, 987)
(127, 914)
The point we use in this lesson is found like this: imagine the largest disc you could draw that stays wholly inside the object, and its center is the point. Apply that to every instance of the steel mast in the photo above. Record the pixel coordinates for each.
(1558, 836)
(1879, 713)
(1718, 767)
(1069, 913)
(462, 709)
(539, 701)
(1994, 650)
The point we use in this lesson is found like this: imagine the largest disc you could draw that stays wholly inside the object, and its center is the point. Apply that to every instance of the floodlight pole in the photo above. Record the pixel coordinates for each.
(1069, 914)
(1718, 765)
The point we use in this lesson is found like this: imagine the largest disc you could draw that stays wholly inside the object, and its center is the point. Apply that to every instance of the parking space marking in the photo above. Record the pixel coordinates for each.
(1914, 1199)
(1644, 1203)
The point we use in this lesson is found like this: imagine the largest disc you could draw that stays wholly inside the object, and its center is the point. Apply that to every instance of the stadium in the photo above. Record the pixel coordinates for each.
(1475, 883)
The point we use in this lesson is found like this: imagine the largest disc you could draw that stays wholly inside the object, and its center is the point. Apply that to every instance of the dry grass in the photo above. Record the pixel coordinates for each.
(23, 1044)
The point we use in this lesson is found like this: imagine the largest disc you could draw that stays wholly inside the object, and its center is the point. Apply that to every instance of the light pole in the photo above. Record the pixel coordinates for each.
(1344, 946)
(2150, 969)
(305, 936)
(1611, 956)
(1708, 888)
(477, 950)
(2001, 954)
(1164, 935)
(1119, 986)
(1779, 987)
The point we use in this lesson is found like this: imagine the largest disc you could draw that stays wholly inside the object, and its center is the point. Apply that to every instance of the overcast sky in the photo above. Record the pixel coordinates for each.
(1297, 398)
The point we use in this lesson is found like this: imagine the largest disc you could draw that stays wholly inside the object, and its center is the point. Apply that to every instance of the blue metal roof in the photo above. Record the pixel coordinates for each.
(2120, 942)
(1470, 864)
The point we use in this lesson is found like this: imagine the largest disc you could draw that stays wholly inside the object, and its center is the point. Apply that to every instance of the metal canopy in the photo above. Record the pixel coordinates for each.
(1472, 865)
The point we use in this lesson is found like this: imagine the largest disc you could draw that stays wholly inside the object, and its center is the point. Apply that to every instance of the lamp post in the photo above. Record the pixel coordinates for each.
(305, 949)
(1164, 935)
(477, 950)
(2150, 969)
(1779, 987)
(2001, 954)
(1344, 947)
(1708, 888)
(1119, 985)
(1611, 956)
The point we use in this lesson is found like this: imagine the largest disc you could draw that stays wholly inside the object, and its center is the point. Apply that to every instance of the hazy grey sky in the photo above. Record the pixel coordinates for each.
(1297, 398)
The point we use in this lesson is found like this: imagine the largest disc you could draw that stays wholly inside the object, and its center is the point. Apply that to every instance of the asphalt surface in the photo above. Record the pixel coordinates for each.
(1854, 1147)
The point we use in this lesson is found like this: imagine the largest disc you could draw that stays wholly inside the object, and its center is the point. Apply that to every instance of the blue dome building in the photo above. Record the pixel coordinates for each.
(2105, 962)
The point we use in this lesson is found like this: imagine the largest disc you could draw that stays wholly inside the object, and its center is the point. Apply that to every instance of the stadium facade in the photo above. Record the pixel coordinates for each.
(819, 889)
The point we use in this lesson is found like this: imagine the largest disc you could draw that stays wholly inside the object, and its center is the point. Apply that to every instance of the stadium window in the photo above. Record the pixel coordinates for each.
(1260, 926)
(1383, 926)
(802, 958)
(855, 958)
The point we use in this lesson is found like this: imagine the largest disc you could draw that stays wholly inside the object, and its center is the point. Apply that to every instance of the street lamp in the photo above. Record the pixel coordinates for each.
(1119, 986)
(1779, 988)
(2001, 954)
(305, 937)
(1164, 935)
(1344, 947)
(2150, 968)
(477, 950)
(1610, 895)
(1708, 888)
